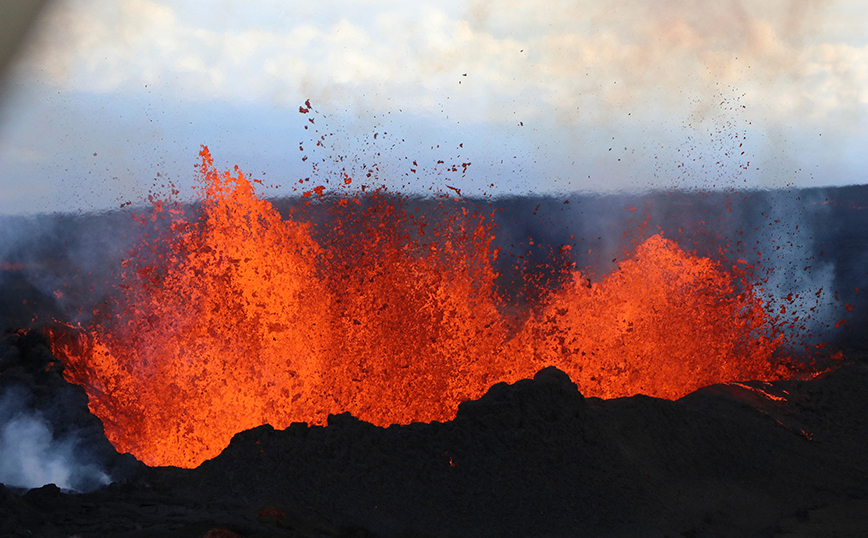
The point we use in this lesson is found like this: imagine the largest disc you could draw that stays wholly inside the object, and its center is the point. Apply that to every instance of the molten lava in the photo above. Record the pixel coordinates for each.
(229, 317)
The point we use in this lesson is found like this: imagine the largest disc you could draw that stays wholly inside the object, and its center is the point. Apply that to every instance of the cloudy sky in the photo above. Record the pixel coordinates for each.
(543, 96)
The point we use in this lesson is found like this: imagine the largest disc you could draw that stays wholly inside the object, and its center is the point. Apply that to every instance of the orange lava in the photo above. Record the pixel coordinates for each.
(233, 317)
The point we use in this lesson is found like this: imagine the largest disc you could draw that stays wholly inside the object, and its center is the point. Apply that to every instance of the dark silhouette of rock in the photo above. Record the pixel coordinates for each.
(534, 458)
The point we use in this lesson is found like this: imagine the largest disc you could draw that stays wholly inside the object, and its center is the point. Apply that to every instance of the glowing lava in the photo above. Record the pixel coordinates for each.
(664, 324)
(234, 317)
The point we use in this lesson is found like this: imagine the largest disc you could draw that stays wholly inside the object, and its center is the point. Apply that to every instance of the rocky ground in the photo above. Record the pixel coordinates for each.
(535, 458)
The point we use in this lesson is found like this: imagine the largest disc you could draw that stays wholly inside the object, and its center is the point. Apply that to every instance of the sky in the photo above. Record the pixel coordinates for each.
(108, 99)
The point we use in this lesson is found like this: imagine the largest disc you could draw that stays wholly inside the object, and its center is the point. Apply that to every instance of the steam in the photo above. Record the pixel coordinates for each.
(799, 281)
(59, 264)
(30, 454)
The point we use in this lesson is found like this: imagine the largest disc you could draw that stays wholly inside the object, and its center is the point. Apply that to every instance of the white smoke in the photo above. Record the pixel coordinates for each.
(31, 456)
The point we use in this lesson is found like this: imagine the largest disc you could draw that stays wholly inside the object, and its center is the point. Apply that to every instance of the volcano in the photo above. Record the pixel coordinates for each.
(365, 363)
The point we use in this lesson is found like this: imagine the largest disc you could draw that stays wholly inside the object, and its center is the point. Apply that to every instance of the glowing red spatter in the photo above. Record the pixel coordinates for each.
(233, 317)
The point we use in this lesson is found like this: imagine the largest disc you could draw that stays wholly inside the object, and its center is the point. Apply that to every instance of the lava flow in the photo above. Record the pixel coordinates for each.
(229, 317)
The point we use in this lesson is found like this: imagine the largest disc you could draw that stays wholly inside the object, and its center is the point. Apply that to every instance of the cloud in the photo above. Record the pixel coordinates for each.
(624, 54)
(563, 78)
(564, 55)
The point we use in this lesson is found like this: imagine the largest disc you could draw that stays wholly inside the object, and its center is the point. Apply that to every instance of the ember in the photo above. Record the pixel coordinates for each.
(235, 317)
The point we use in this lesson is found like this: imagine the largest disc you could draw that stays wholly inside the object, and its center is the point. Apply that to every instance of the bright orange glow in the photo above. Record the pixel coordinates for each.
(238, 318)
(664, 324)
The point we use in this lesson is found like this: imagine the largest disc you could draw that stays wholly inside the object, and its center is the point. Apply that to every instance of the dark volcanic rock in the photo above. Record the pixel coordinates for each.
(534, 458)
(526, 456)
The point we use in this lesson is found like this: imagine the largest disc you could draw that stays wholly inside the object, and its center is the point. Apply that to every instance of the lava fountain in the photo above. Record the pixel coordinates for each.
(229, 316)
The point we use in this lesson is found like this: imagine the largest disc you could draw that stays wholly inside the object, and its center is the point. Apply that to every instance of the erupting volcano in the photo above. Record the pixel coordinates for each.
(230, 316)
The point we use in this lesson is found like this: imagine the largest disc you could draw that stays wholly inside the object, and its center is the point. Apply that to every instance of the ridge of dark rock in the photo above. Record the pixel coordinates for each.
(532, 458)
